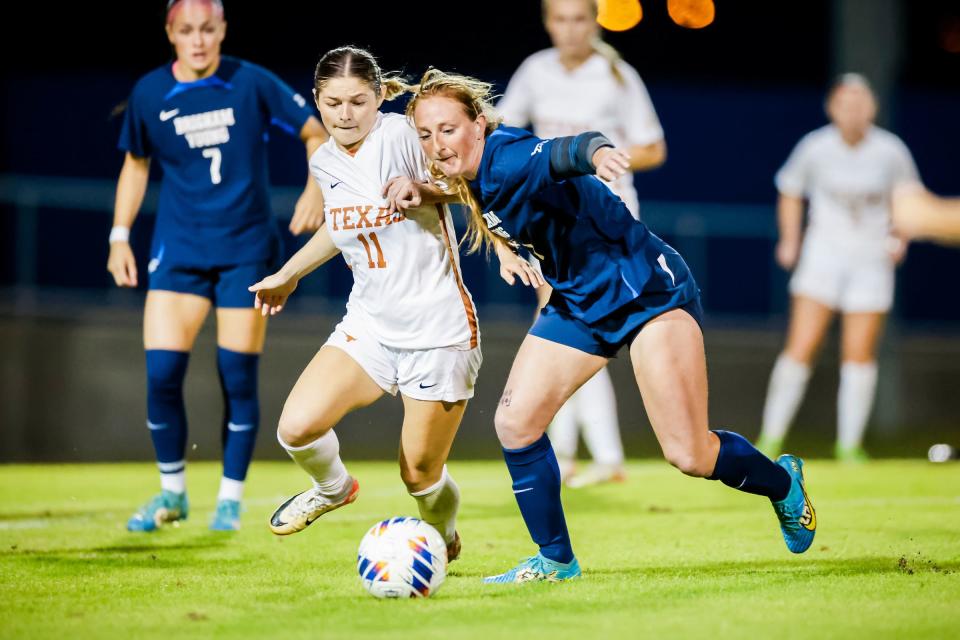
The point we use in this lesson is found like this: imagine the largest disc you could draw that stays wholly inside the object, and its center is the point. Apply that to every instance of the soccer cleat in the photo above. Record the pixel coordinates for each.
(798, 520)
(850, 455)
(297, 513)
(453, 548)
(538, 569)
(166, 506)
(770, 447)
(227, 516)
(597, 474)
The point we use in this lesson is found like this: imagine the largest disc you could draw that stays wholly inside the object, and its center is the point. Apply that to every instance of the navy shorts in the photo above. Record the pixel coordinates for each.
(666, 290)
(225, 287)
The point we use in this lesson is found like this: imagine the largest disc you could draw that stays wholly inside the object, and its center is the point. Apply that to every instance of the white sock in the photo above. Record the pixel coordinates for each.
(858, 385)
(321, 460)
(788, 383)
(176, 482)
(438, 505)
(230, 489)
(597, 411)
(564, 433)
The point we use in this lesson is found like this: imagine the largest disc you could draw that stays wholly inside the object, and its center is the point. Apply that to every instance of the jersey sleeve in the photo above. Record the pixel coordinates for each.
(287, 109)
(640, 122)
(515, 105)
(520, 167)
(410, 154)
(794, 176)
(904, 168)
(133, 132)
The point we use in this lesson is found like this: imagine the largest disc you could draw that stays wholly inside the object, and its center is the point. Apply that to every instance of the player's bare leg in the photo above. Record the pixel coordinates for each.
(527, 406)
(669, 363)
(429, 428)
(330, 387)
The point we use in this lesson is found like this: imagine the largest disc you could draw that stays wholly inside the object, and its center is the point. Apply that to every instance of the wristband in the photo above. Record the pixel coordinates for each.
(119, 234)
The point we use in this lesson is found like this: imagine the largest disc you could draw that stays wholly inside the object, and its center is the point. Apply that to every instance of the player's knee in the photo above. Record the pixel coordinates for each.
(300, 429)
(165, 372)
(513, 430)
(689, 461)
(417, 475)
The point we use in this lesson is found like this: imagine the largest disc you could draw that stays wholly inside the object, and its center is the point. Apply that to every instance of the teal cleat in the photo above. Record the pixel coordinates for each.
(798, 520)
(227, 516)
(163, 508)
(538, 569)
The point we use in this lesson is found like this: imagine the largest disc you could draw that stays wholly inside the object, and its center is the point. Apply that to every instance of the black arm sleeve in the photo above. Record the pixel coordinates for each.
(572, 156)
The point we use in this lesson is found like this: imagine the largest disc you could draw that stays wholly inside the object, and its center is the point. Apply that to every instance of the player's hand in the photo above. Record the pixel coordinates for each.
(401, 193)
(272, 293)
(787, 253)
(611, 163)
(122, 265)
(513, 266)
(308, 212)
(907, 202)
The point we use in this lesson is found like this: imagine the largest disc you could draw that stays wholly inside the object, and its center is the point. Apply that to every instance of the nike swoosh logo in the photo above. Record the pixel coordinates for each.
(427, 386)
(523, 490)
(335, 184)
(166, 115)
(153, 426)
(239, 427)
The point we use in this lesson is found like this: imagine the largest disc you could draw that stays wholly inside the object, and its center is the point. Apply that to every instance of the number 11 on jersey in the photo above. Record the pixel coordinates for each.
(381, 263)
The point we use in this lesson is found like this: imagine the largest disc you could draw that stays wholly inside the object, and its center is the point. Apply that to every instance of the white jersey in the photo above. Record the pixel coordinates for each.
(407, 284)
(848, 187)
(558, 102)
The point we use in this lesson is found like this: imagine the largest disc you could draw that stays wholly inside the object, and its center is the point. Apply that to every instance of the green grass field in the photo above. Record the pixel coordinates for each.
(663, 556)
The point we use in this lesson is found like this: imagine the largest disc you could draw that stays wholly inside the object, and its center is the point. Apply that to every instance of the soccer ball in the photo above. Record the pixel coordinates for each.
(402, 558)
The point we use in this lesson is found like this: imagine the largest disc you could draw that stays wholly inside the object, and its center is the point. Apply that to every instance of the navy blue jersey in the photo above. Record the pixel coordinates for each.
(210, 138)
(591, 250)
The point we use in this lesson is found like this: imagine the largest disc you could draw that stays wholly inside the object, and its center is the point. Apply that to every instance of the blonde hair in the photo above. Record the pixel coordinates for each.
(606, 51)
(475, 96)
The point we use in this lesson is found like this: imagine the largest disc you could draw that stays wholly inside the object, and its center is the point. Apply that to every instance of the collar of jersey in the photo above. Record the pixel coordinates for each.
(210, 81)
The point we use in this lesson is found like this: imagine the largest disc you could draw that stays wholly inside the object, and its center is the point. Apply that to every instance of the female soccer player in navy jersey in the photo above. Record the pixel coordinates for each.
(205, 118)
(615, 284)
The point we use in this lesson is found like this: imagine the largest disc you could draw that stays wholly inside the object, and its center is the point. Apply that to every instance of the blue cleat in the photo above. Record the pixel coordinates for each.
(165, 507)
(798, 520)
(227, 516)
(538, 569)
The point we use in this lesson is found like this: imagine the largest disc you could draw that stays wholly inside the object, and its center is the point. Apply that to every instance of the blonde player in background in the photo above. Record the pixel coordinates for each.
(410, 326)
(844, 262)
(581, 84)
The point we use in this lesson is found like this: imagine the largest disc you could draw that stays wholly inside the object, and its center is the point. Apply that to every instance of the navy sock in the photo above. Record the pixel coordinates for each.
(241, 416)
(536, 486)
(166, 414)
(741, 466)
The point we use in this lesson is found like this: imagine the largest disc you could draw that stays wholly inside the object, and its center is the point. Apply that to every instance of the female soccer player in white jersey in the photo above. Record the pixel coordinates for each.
(204, 117)
(410, 326)
(844, 263)
(582, 84)
(615, 284)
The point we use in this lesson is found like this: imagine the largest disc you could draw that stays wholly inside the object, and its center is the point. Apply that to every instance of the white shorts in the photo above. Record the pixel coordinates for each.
(445, 374)
(844, 281)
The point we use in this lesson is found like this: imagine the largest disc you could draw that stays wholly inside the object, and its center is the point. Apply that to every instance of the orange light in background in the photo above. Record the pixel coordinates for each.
(619, 15)
(692, 14)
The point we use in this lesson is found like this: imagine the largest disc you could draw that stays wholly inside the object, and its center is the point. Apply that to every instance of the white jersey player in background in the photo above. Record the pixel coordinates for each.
(844, 263)
(410, 325)
(581, 84)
